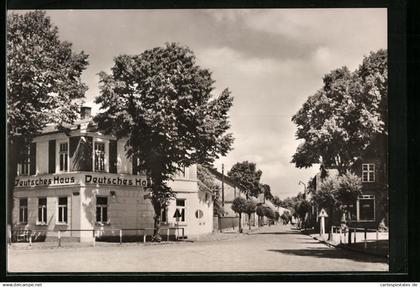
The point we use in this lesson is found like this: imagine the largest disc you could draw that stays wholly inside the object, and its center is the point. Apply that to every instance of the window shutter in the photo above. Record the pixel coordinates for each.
(51, 156)
(32, 158)
(113, 153)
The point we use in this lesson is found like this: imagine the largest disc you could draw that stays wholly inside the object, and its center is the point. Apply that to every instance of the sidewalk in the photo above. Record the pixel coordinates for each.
(374, 247)
(216, 236)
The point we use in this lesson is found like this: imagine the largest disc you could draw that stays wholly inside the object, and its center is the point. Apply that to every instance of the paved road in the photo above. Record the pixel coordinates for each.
(273, 248)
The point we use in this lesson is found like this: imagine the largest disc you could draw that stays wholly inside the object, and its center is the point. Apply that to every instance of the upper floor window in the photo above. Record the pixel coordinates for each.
(63, 155)
(368, 172)
(99, 154)
(24, 166)
(182, 172)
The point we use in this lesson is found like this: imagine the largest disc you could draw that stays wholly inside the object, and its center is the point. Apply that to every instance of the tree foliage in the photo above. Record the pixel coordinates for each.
(162, 101)
(239, 206)
(337, 192)
(43, 76)
(250, 206)
(246, 174)
(266, 190)
(43, 83)
(341, 119)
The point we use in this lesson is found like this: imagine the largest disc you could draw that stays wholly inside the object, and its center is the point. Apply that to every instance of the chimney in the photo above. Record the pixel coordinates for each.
(85, 113)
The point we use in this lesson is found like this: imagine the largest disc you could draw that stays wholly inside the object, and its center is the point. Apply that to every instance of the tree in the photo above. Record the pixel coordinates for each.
(246, 174)
(266, 190)
(338, 193)
(162, 101)
(286, 217)
(301, 207)
(239, 206)
(341, 120)
(260, 212)
(250, 206)
(43, 84)
(269, 213)
(277, 202)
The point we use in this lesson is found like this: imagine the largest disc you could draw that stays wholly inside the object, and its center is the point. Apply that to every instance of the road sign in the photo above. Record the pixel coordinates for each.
(322, 213)
(177, 214)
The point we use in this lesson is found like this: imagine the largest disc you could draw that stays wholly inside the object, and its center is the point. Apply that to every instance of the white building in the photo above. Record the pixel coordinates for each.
(80, 179)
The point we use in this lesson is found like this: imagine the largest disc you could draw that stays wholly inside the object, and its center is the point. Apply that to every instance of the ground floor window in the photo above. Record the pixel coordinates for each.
(23, 210)
(351, 212)
(180, 206)
(62, 210)
(42, 210)
(101, 209)
(366, 204)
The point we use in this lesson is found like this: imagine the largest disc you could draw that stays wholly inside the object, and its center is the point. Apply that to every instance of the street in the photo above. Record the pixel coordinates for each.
(275, 248)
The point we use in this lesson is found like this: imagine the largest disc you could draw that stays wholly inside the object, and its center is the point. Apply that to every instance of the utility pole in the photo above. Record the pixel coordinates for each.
(223, 185)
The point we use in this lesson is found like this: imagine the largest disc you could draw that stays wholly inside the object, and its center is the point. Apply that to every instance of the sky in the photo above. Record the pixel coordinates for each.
(271, 60)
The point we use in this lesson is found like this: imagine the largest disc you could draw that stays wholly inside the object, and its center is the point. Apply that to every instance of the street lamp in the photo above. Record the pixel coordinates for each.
(304, 188)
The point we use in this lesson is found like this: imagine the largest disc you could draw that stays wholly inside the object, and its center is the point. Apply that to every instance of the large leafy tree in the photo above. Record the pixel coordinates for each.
(43, 83)
(339, 122)
(246, 174)
(162, 101)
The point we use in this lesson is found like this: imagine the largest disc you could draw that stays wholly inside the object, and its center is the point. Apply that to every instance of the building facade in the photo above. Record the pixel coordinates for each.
(80, 179)
(371, 207)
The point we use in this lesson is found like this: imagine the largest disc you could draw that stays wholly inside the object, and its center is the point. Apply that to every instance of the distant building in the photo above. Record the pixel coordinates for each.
(81, 179)
(229, 191)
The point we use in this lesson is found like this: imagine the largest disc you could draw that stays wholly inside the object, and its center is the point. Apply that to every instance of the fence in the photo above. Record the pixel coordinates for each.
(229, 222)
(107, 235)
(358, 236)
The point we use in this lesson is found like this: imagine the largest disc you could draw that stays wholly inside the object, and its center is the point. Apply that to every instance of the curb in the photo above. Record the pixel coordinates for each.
(342, 246)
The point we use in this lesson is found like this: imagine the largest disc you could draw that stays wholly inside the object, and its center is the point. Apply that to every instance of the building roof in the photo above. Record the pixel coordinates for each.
(226, 179)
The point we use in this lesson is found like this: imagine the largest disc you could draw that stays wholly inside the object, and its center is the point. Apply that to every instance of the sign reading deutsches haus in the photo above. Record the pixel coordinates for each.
(82, 179)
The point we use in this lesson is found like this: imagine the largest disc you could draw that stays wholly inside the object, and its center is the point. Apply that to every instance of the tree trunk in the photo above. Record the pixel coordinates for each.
(240, 222)
(249, 221)
(156, 234)
(12, 160)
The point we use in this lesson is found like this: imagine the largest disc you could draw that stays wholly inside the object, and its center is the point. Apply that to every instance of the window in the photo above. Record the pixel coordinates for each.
(99, 156)
(182, 173)
(24, 166)
(366, 204)
(351, 212)
(101, 209)
(64, 156)
(368, 172)
(62, 210)
(180, 206)
(23, 210)
(42, 210)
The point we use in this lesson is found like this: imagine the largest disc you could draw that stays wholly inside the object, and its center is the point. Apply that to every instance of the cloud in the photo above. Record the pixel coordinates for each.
(271, 60)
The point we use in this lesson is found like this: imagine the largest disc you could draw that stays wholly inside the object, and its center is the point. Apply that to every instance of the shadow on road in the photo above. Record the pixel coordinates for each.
(274, 233)
(331, 254)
